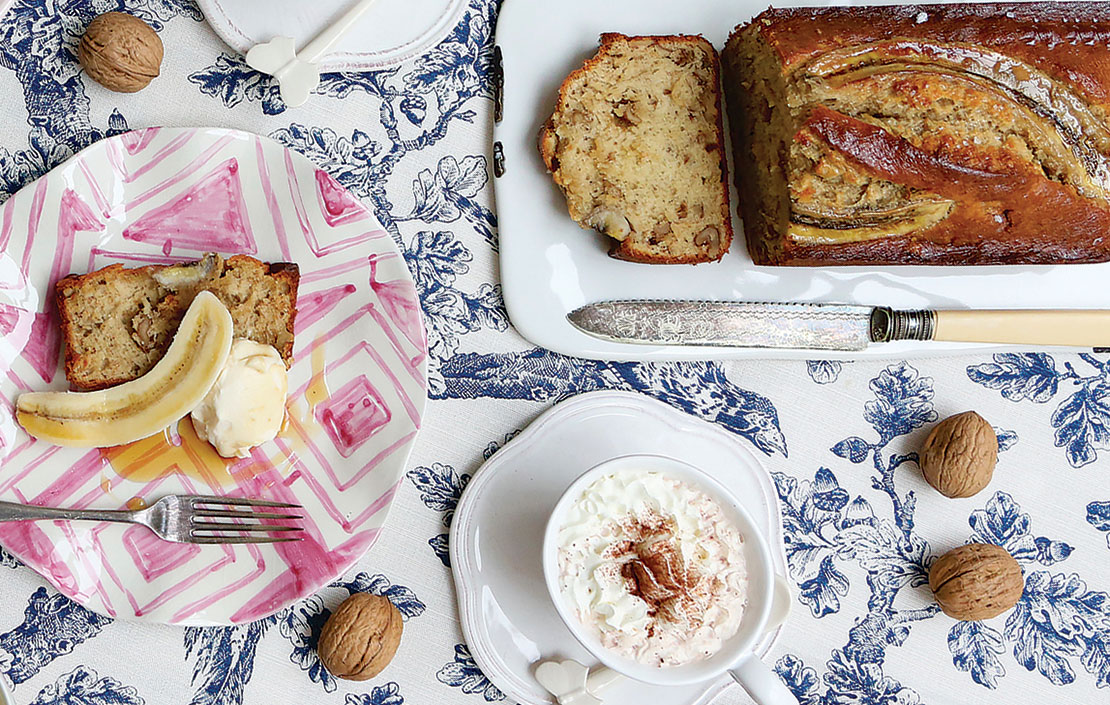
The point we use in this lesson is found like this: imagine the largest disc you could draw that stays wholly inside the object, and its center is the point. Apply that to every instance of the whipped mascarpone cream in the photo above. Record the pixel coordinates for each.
(653, 567)
(246, 406)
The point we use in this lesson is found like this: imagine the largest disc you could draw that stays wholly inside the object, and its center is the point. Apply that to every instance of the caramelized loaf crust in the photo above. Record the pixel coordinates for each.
(636, 144)
(117, 323)
(923, 134)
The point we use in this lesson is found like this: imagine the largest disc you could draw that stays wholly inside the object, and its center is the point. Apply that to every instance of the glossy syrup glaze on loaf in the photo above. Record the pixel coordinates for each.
(923, 134)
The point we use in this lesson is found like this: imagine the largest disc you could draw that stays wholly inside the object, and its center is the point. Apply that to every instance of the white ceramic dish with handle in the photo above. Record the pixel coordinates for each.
(763, 611)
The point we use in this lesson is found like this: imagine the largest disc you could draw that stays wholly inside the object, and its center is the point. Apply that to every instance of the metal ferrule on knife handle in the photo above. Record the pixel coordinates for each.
(888, 324)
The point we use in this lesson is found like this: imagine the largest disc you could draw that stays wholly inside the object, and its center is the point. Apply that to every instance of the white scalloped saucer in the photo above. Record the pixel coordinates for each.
(497, 533)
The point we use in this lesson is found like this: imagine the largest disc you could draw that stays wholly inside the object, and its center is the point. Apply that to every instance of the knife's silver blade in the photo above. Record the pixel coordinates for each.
(727, 323)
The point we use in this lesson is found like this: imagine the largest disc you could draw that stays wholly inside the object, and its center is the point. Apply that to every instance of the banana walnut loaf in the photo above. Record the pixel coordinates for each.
(117, 323)
(923, 134)
(636, 145)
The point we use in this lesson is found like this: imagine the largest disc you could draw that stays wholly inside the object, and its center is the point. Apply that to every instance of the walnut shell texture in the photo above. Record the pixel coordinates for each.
(120, 52)
(959, 455)
(976, 581)
(361, 637)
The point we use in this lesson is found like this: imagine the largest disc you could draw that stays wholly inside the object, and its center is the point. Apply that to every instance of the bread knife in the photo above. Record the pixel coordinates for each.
(831, 326)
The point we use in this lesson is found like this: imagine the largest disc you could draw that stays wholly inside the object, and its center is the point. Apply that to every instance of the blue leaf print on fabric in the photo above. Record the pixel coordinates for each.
(449, 195)
(440, 488)
(232, 81)
(388, 694)
(461, 65)
(1082, 424)
(436, 259)
(824, 371)
(1006, 439)
(224, 660)
(810, 524)
(1098, 516)
(892, 559)
(301, 625)
(464, 674)
(53, 625)
(854, 680)
(699, 388)
(440, 545)
(903, 402)
(1080, 420)
(823, 591)
(1019, 376)
(82, 686)
(800, 679)
(975, 648)
(443, 196)
(1057, 618)
(37, 43)
(1003, 523)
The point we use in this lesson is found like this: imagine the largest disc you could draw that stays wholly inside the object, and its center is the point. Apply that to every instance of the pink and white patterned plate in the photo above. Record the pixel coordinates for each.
(357, 383)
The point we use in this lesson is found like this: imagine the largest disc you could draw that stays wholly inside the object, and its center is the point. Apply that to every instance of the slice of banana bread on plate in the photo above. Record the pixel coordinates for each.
(636, 145)
(117, 322)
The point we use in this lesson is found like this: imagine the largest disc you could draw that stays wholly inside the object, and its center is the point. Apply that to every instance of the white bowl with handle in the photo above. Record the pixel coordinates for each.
(768, 595)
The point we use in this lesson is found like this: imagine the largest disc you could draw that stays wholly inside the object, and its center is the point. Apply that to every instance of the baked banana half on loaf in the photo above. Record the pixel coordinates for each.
(923, 134)
(636, 145)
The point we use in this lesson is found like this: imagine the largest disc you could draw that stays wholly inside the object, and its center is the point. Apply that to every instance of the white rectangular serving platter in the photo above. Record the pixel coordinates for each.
(550, 266)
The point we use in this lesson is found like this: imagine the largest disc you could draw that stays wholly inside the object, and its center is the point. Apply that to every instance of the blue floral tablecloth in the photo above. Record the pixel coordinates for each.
(861, 525)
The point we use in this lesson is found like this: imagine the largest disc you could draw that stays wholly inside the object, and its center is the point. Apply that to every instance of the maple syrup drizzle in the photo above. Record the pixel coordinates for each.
(184, 453)
(162, 454)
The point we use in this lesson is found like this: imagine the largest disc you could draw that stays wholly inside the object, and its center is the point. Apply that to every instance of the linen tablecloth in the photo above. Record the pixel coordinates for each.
(839, 438)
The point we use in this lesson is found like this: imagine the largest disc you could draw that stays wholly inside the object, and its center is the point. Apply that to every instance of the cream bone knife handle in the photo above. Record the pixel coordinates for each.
(1081, 328)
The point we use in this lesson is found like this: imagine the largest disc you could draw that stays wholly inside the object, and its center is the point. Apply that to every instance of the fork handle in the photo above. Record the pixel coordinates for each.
(10, 511)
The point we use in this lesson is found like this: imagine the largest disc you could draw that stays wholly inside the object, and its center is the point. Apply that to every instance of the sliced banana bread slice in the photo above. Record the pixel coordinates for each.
(636, 145)
(117, 323)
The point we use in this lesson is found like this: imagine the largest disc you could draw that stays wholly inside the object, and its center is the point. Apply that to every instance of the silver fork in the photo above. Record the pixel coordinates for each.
(181, 518)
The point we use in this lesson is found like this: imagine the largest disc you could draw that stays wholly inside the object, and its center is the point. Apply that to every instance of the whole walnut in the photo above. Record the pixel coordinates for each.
(360, 638)
(959, 455)
(976, 581)
(120, 52)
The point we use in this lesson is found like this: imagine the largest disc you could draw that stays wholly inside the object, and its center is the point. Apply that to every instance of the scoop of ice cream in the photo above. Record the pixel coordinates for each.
(246, 405)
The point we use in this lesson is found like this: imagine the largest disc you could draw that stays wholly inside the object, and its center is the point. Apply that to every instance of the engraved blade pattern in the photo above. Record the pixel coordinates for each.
(727, 323)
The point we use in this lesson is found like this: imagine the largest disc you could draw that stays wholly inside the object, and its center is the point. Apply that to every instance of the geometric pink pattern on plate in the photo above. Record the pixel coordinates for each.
(352, 415)
(209, 215)
(357, 383)
(336, 202)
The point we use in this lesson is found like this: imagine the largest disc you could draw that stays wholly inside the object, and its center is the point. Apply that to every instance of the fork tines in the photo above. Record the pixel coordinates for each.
(215, 531)
(238, 501)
